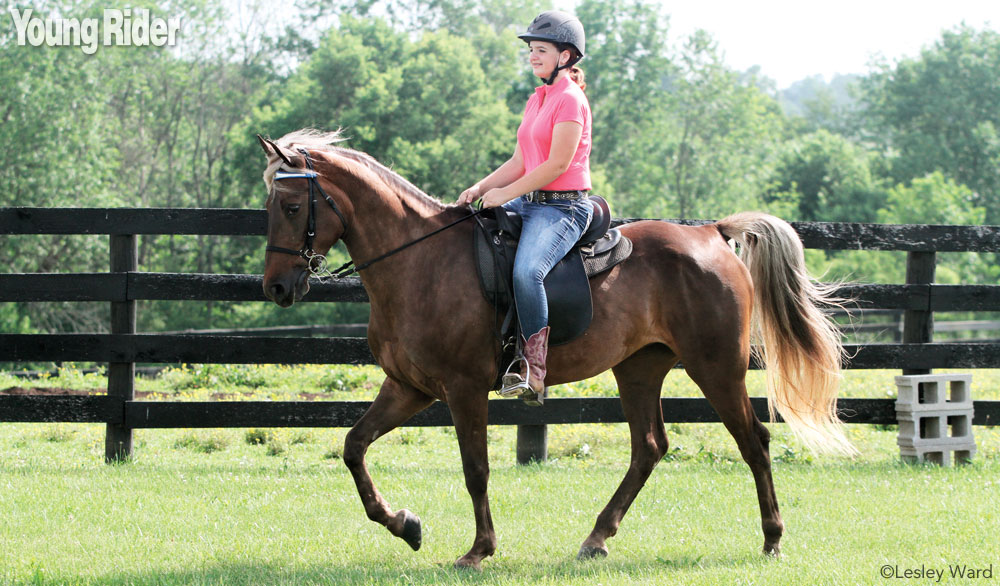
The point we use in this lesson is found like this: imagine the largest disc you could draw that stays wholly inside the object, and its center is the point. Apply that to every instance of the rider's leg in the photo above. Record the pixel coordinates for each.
(548, 232)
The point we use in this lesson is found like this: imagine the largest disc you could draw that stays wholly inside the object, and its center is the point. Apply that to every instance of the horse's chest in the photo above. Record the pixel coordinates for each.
(398, 361)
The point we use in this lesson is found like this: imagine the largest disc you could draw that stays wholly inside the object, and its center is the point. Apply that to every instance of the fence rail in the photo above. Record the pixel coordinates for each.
(124, 285)
(208, 349)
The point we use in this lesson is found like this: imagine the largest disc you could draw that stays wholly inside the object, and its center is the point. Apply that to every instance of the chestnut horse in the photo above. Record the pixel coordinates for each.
(684, 294)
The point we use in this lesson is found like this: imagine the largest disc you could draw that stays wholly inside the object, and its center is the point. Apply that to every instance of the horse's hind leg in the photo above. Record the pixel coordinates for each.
(725, 389)
(394, 404)
(639, 378)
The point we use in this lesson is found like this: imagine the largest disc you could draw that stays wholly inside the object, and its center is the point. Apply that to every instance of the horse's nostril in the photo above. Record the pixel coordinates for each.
(276, 291)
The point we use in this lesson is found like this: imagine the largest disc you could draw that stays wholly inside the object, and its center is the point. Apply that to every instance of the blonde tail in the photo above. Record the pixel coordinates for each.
(801, 347)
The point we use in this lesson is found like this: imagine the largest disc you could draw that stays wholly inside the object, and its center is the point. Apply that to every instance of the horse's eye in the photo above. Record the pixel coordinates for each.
(292, 209)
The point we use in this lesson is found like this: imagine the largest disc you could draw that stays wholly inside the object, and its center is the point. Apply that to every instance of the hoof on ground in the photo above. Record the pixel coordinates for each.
(588, 552)
(772, 551)
(464, 563)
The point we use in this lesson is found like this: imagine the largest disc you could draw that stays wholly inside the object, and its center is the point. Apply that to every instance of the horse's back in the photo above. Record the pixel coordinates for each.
(682, 287)
(695, 256)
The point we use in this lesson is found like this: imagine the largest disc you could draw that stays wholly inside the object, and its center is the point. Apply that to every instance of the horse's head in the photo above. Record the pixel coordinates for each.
(305, 218)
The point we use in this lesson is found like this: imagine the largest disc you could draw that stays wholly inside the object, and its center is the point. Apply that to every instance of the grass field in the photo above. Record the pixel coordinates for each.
(279, 507)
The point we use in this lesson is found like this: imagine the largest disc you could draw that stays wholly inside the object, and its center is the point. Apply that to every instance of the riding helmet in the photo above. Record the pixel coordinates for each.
(554, 26)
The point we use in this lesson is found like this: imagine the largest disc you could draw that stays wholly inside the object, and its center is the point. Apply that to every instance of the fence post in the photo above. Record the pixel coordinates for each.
(532, 443)
(918, 324)
(121, 375)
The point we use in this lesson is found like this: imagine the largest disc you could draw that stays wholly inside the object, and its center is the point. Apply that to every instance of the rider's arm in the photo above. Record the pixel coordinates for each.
(504, 175)
(565, 140)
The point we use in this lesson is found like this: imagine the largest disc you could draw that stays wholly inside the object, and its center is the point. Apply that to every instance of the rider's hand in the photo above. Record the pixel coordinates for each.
(496, 197)
(470, 195)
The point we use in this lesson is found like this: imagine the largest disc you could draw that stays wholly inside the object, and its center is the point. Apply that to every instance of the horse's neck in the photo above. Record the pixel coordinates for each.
(382, 223)
(384, 220)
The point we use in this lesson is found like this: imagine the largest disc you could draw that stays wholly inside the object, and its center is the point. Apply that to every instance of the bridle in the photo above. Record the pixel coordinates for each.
(316, 263)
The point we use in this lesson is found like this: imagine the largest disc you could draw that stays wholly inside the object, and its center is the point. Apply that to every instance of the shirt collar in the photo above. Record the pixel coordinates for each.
(558, 86)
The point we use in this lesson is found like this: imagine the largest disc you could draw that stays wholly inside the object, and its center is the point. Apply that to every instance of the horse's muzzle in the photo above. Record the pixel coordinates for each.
(287, 289)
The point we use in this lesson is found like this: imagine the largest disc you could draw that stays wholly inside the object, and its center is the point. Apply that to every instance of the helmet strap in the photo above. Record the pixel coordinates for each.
(555, 72)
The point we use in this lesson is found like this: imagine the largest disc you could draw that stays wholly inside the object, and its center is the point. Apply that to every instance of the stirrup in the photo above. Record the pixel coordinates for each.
(513, 384)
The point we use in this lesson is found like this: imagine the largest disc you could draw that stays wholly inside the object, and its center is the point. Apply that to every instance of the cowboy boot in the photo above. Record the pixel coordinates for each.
(535, 351)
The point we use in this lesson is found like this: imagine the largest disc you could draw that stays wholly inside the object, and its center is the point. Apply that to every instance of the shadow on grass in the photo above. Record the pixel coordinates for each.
(499, 571)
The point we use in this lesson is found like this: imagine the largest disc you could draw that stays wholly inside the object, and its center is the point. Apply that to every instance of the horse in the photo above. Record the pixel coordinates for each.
(683, 295)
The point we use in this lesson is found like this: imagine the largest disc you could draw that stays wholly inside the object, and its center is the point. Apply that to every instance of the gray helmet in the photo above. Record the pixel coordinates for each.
(557, 27)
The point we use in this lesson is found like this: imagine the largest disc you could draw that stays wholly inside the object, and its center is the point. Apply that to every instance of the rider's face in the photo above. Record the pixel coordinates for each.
(544, 57)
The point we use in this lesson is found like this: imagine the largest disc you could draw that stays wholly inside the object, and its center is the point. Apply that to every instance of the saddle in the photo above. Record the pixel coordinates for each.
(567, 286)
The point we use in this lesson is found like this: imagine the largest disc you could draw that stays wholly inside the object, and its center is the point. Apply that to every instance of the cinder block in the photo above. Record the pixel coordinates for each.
(933, 392)
(935, 418)
(939, 456)
(943, 428)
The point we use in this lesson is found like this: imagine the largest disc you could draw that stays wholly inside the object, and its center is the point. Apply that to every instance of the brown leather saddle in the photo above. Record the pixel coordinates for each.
(567, 286)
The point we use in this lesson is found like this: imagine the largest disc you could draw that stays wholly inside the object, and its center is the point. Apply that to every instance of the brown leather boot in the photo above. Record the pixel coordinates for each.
(535, 351)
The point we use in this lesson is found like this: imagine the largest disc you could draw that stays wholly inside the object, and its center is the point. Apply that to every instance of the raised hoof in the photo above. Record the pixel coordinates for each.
(411, 530)
(588, 552)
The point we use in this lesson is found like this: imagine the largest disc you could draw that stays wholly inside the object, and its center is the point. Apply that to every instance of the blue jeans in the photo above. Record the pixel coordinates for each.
(549, 230)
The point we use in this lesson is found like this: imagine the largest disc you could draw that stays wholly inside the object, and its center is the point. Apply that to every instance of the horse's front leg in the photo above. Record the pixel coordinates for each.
(395, 403)
(470, 411)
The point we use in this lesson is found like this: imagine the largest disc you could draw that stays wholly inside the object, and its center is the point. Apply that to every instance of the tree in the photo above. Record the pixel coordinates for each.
(938, 112)
(827, 178)
(138, 126)
(419, 105)
(932, 199)
(680, 135)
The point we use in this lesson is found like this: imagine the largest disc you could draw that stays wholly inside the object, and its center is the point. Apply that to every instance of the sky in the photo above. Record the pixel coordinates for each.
(791, 40)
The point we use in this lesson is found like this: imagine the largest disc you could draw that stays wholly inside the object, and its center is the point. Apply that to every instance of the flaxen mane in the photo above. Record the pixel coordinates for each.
(316, 140)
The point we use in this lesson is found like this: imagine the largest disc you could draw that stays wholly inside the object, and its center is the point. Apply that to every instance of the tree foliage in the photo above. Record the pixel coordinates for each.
(824, 176)
(939, 112)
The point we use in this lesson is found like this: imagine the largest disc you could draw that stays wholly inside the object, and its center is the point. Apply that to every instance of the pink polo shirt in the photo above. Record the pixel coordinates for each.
(560, 102)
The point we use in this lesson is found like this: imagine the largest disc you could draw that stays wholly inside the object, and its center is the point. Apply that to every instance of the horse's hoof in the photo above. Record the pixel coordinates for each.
(588, 552)
(411, 530)
(772, 550)
(466, 563)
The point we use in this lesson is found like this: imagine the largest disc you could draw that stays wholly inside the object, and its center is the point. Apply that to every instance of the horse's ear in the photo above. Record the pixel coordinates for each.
(272, 148)
(263, 144)
(285, 154)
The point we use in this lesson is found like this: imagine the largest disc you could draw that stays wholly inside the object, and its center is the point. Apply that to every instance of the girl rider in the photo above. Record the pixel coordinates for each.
(546, 181)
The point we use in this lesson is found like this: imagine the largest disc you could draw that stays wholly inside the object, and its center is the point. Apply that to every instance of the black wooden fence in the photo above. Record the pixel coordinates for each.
(124, 284)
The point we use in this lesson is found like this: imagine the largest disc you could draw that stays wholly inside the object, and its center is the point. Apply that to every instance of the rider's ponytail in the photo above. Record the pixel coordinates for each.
(577, 75)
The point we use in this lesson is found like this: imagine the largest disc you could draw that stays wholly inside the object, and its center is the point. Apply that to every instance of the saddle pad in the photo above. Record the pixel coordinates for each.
(605, 260)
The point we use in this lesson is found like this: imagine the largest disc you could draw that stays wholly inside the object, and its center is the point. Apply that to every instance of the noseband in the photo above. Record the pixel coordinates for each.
(315, 262)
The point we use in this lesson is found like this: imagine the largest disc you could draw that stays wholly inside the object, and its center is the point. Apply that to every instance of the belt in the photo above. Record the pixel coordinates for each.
(540, 196)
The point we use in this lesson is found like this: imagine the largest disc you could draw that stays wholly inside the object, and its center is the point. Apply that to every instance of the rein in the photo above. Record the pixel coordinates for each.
(317, 262)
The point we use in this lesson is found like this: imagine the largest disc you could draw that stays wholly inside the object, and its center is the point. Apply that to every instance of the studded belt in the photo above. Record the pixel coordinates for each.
(540, 196)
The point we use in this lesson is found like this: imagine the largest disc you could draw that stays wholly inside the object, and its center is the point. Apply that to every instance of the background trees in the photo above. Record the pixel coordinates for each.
(939, 112)
(436, 88)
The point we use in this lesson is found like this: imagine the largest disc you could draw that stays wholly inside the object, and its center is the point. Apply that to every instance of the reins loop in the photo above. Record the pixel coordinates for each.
(317, 263)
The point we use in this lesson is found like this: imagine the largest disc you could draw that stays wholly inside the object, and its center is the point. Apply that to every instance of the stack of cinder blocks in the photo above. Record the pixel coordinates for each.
(935, 418)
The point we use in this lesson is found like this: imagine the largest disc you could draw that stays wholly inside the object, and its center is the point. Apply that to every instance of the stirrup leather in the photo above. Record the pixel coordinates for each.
(513, 383)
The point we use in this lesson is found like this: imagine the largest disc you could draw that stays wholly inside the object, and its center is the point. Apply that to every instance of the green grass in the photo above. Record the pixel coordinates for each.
(278, 506)
(234, 382)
